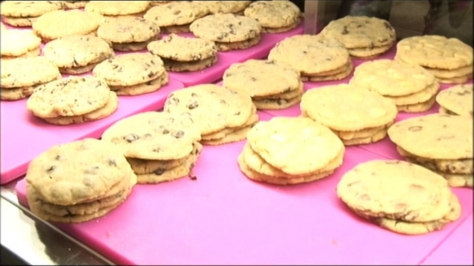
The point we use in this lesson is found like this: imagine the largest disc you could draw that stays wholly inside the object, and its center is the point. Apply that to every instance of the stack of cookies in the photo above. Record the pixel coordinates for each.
(73, 100)
(113, 9)
(176, 16)
(228, 31)
(456, 100)
(159, 146)
(19, 43)
(77, 54)
(316, 58)
(222, 115)
(272, 85)
(128, 33)
(449, 59)
(399, 196)
(439, 142)
(364, 37)
(357, 116)
(411, 87)
(274, 16)
(133, 73)
(182, 54)
(21, 76)
(24, 13)
(287, 151)
(78, 181)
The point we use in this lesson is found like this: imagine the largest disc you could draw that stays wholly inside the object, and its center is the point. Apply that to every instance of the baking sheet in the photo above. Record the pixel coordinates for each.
(225, 218)
(24, 136)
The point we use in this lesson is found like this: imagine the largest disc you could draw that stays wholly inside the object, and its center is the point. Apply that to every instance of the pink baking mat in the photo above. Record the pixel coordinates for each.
(225, 59)
(24, 136)
(457, 249)
(225, 218)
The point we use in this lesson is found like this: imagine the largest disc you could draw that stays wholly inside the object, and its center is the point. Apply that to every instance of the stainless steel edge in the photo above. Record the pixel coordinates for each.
(38, 242)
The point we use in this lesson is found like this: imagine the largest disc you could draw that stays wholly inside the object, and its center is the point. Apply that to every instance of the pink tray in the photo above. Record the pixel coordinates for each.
(25, 136)
(225, 59)
(225, 218)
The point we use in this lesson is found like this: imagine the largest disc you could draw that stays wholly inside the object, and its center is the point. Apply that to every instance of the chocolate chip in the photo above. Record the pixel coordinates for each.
(131, 138)
(92, 170)
(344, 31)
(112, 162)
(415, 128)
(159, 171)
(193, 105)
(178, 134)
(57, 158)
(165, 131)
(157, 149)
(50, 169)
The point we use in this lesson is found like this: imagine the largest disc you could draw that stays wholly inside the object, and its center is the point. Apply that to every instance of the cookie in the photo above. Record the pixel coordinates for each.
(175, 13)
(18, 42)
(277, 104)
(459, 180)
(434, 136)
(212, 107)
(253, 119)
(226, 28)
(281, 140)
(310, 54)
(24, 13)
(26, 72)
(342, 73)
(76, 52)
(116, 8)
(242, 45)
(77, 171)
(224, 7)
(128, 30)
(184, 49)
(274, 15)
(129, 69)
(456, 100)
(147, 87)
(360, 32)
(61, 23)
(72, 96)
(395, 190)
(154, 135)
(369, 53)
(345, 108)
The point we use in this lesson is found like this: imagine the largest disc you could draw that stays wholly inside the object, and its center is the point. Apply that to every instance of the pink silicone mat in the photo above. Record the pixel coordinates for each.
(225, 59)
(225, 218)
(457, 249)
(24, 136)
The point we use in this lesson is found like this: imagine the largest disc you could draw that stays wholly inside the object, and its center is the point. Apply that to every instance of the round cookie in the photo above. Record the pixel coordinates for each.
(154, 135)
(434, 136)
(296, 145)
(182, 49)
(226, 28)
(77, 171)
(259, 78)
(24, 13)
(61, 23)
(360, 32)
(395, 190)
(274, 14)
(175, 13)
(18, 42)
(77, 51)
(28, 71)
(68, 97)
(128, 30)
(224, 7)
(212, 107)
(435, 52)
(147, 87)
(116, 8)
(310, 54)
(129, 69)
(345, 108)
(456, 100)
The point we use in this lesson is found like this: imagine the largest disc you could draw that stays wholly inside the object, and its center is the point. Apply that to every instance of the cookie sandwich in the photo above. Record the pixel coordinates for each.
(159, 146)
(228, 31)
(24, 13)
(270, 84)
(222, 115)
(356, 116)
(290, 150)
(449, 59)
(274, 16)
(411, 87)
(315, 57)
(399, 196)
(364, 37)
(456, 100)
(184, 54)
(78, 181)
(439, 142)
(16, 43)
(72, 100)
